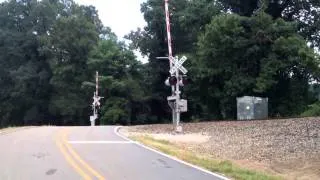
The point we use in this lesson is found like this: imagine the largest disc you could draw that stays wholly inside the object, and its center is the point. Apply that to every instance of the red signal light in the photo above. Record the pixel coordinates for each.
(171, 81)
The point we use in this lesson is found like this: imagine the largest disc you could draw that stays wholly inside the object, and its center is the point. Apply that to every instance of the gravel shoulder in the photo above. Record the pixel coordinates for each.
(286, 147)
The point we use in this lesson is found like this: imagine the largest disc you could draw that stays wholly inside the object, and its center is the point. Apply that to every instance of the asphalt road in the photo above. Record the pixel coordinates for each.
(85, 153)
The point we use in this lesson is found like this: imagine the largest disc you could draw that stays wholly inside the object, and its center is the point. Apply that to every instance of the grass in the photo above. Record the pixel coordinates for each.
(10, 129)
(227, 168)
(6, 128)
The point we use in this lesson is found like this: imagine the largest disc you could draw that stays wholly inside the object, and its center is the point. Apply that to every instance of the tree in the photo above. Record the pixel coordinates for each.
(72, 38)
(24, 71)
(306, 13)
(254, 56)
(188, 18)
(50, 51)
(120, 82)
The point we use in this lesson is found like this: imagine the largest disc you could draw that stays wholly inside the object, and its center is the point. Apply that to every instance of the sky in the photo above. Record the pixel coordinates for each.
(121, 16)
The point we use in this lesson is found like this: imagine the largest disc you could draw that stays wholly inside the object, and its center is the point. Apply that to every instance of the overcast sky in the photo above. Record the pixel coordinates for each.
(121, 16)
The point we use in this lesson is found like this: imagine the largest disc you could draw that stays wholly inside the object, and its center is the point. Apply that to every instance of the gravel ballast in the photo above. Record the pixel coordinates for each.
(290, 147)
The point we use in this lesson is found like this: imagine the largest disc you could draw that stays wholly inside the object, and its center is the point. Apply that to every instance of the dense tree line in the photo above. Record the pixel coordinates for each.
(50, 50)
(235, 48)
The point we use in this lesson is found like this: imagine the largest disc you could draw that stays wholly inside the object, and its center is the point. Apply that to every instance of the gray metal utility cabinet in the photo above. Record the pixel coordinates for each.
(249, 107)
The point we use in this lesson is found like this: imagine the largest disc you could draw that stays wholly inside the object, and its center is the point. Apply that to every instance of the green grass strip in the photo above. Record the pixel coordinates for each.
(227, 168)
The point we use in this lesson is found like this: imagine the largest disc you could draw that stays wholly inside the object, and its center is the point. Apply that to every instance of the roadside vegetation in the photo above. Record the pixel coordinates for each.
(313, 110)
(10, 129)
(51, 49)
(288, 148)
(226, 168)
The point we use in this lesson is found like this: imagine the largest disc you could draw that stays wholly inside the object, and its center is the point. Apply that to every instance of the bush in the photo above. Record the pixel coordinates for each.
(314, 110)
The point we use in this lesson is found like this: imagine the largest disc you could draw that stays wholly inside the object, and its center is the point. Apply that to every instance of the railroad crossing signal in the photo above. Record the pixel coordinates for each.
(172, 81)
(177, 65)
(96, 101)
(177, 104)
(175, 80)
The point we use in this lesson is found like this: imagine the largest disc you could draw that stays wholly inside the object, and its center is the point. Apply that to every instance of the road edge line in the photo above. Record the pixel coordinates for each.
(116, 131)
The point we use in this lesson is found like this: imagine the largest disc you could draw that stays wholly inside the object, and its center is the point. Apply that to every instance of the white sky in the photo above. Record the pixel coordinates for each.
(121, 16)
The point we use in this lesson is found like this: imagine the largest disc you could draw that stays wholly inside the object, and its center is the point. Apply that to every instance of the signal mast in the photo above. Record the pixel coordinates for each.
(175, 80)
(96, 102)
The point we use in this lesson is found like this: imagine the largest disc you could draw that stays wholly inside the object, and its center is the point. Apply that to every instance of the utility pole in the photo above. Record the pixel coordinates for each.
(176, 104)
(96, 102)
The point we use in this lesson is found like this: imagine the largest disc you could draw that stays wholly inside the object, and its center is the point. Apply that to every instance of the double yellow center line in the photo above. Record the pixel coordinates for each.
(73, 158)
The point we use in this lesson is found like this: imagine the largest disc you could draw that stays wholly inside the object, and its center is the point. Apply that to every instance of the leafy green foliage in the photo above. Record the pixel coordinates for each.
(312, 111)
(49, 54)
(120, 82)
(254, 56)
(24, 72)
(50, 51)
(305, 13)
(73, 39)
(188, 19)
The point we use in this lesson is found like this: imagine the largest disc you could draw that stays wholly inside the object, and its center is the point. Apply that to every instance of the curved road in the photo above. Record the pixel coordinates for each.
(85, 153)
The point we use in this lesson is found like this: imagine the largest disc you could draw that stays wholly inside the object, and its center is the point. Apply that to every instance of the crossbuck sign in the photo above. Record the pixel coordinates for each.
(96, 100)
(178, 65)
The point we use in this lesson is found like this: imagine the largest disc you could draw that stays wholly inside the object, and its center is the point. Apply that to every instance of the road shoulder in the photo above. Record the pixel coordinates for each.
(223, 167)
(139, 140)
(9, 130)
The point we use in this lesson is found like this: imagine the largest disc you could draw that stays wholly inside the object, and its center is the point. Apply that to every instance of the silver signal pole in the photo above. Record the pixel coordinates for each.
(96, 103)
(97, 83)
(170, 55)
(175, 106)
